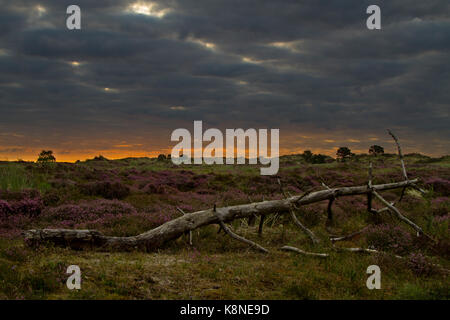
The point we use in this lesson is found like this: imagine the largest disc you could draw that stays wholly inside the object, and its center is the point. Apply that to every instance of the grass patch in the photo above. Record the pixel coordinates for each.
(14, 177)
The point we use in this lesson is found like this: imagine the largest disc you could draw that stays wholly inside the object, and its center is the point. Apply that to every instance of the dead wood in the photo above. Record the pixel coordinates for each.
(306, 253)
(157, 237)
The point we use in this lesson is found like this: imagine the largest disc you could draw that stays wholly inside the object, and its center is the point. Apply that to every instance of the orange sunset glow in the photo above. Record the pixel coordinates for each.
(293, 143)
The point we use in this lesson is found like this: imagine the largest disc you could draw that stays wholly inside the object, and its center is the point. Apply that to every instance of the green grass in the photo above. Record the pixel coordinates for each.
(14, 177)
(218, 267)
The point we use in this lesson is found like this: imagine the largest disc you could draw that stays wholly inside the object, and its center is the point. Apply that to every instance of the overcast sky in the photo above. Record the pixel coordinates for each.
(136, 71)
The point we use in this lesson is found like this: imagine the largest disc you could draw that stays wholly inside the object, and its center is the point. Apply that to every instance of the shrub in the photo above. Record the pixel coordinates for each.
(105, 189)
(420, 264)
(110, 216)
(19, 195)
(442, 219)
(28, 207)
(50, 198)
(157, 189)
(439, 185)
(440, 206)
(89, 210)
(5, 208)
(389, 238)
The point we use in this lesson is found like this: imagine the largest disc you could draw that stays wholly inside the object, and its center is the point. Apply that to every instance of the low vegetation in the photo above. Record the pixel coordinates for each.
(129, 196)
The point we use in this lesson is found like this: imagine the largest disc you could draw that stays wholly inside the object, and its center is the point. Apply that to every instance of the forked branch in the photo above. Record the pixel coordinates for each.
(238, 237)
(294, 218)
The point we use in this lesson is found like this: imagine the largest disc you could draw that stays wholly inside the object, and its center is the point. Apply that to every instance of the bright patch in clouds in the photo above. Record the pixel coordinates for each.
(290, 45)
(178, 108)
(242, 82)
(250, 60)
(148, 9)
(208, 45)
(284, 45)
(40, 10)
(110, 90)
(11, 85)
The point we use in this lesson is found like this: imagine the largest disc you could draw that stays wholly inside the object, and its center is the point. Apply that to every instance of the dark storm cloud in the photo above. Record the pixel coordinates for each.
(284, 64)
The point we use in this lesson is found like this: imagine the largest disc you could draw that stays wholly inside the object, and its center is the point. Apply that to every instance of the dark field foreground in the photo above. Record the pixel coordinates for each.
(130, 196)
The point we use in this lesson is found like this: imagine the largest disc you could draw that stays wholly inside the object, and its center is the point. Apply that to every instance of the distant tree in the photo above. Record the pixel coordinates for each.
(100, 158)
(307, 155)
(46, 156)
(310, 157)
(343, 153)
(376, 150)
(318, 158)
(162, 157)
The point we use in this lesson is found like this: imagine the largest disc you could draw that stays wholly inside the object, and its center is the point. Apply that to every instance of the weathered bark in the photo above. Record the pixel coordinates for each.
(242, 239)
(305, 253)
(349, 236)
(261, 225)
(155, 238)
(400, 154)
(190, 231)
(297, 222)
(402, 217)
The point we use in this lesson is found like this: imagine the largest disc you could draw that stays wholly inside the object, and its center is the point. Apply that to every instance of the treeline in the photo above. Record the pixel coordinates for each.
(342, 154)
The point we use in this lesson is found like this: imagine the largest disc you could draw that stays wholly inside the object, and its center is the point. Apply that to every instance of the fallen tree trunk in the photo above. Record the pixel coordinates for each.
(155, 238)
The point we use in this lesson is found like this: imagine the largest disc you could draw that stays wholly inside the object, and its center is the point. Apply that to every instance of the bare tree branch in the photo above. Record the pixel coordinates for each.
(399, 154)
(308, 232)
(349, 236)
(365, 250)
(238, 237)
(306, 253)
(400, 216)
(190, 231)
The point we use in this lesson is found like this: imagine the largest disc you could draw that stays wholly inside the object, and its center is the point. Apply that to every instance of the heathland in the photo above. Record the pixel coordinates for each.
(129, 196)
